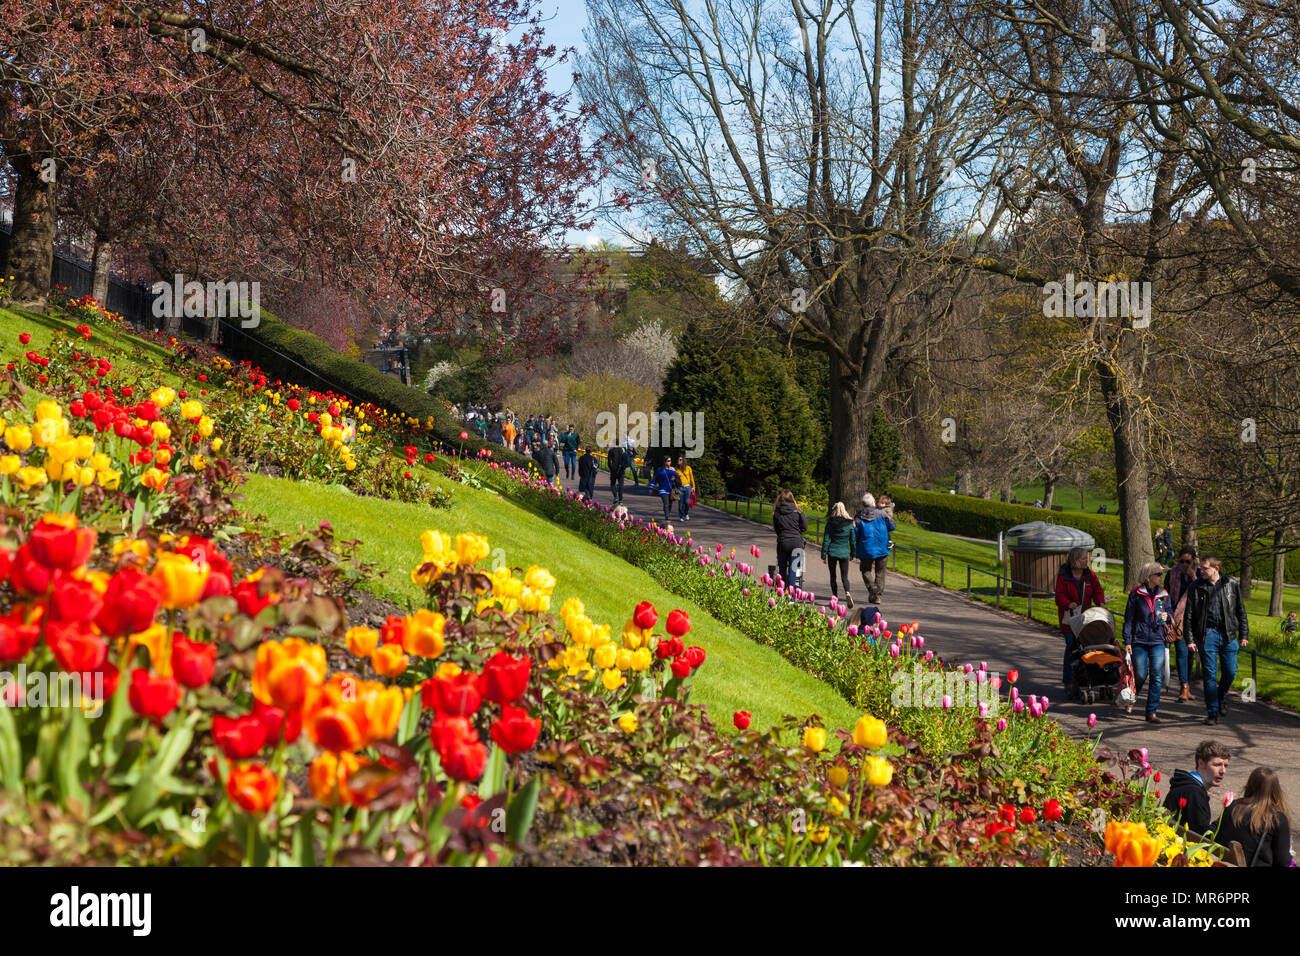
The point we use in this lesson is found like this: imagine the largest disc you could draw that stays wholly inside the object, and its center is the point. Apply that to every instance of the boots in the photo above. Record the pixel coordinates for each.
(1186, 694)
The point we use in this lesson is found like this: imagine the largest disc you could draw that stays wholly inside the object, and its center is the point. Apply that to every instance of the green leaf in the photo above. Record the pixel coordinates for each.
(72, 751)
(119, 723)
(11, 752)
(494, 774)
(151, 786)
(410, 719)
(304, 846)
(519, 815)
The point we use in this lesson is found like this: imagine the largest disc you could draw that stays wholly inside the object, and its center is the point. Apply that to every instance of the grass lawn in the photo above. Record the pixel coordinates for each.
(1274, 681)
(738, 674)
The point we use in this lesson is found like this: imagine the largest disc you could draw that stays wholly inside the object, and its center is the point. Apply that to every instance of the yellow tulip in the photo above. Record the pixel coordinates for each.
(216, 444)
(388, 660)
(83, 446)
(539, 579)
(450, 669)
(85, 477)
(612, 679)
(605, 656)
(110, 479)
(870, 732)
(819, 834)
(361, 640)
(153, 478)
(838, 776)
(641, 659)
(182, 579)
(162, 396)
(161, 431)
(48, 410)
(814, 738)
(206, 424)
(422, 635)
(879, 771)
(100, 461)
(628, 723)
(18, 437)
(191, 410)
(9, 464)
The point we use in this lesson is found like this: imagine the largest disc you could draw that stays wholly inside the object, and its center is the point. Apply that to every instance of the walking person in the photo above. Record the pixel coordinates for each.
(664, 481)
(1215, 620)
(550, 463)
(569, 447)
(838, 547)
(1189, 790)
(587, 474)
(1178, 580)
(871, 529)
(617, 469)
(688, 487)
(508, 431)
(1165, 544)
(1145, 633)
(789, 523)
(1077, 589)
(629, 460)
(1259, 820)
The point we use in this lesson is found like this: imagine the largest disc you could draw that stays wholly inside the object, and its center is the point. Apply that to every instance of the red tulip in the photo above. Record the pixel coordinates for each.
(58, 547)
(276, 720)
(1008, 813)
(24, 337)
(192, 661)
(679, 622)
(1013, 676)
(742, 719)
(645, 615)
(505, 678)
(1052, 810)
(457, 696)
(239, 737)
(1182, 802)
(130, 603)
(464, 435)
(152, 695)
(694, 656)
(74, 600)
(253, 788)
(393, 630)
(516, 732)
(1028, 815)
(75, 648)
(681, 667)
(249, 600)
(17, 638)
(672, 647)
(996, 830)
(462, 754)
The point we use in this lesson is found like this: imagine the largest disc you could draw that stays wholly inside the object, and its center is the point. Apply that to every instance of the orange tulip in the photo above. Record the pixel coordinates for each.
(362, 640)
(347, 713)
(422, 636)
(388, 660)
(286, 670)
(329, 775)
(253, 787)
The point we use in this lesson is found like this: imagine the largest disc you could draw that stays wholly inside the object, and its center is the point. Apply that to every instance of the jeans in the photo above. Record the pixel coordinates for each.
(616, 486)
(843, 565)
(570, 462)
(684, 502)
(1148, 659)
(1067, 673)
(873, 576)
(1215, 649)
(665, 498)
(1182, 660)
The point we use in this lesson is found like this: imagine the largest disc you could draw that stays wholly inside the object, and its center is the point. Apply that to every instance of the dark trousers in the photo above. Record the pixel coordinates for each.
(783, 564)
(873, 576)
(665, 498)
(616, 485)
(587, 485)
(843, 565)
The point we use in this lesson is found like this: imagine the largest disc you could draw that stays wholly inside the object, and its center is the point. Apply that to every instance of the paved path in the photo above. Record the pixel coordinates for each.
(960, 630)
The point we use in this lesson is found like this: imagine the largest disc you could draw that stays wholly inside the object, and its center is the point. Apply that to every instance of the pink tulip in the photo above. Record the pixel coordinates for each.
(1015, 693)
(929, 655)
(1092, 720)
(1002, 723)
(1019, 705)
(984, 709)
(893, 650)
(979, 677)
(968, 669)
(771, 602)
(947, 702)
(853, 630)
(1229, 797)
(1143, 752)
(746, 592)
(984, 665)
(920, 642)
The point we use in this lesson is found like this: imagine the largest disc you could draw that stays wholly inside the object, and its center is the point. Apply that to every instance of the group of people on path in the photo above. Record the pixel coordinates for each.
(864, 536)
(1190, 608)
(1259, 819)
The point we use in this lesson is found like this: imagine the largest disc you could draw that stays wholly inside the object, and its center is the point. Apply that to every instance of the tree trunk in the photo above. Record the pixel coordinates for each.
(1191, 523)
(1246, 579)
(1279, 572)
(1131, 475)
(1049, 489)
(101, 265)
(964, 482)
(31, 247)
(851, 411)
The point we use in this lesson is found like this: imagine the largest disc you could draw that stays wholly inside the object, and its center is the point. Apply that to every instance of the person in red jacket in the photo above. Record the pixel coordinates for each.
(1077, 589)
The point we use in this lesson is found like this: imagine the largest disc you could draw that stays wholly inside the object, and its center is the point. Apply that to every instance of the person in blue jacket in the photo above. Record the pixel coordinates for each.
(663, 482)
(871, 528)
(1145, 626)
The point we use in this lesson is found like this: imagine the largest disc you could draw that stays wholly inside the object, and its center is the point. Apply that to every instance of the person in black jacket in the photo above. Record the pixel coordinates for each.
(1260, 821)
(1189, 791)
(789, 523)
(617, 470)
(1215, 621)
(547, 460)
(587, 474)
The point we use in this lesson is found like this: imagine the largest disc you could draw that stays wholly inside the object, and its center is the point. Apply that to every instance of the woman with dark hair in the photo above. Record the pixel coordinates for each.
(663, 483)
(1077, 589)
(1259, 820)
(789, 523)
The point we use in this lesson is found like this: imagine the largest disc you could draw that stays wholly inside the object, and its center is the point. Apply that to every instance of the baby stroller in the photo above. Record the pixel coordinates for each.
(1097, 659)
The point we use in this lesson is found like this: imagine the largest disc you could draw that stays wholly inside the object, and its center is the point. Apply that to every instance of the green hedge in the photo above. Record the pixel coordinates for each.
(983, 518)
(295, 355)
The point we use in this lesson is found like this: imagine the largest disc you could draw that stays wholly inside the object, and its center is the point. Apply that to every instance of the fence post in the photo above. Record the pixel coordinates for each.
(1029, 597)
(941, 570)
(916, 565)
(968, 580)
(997, 596)
(1254, 682)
